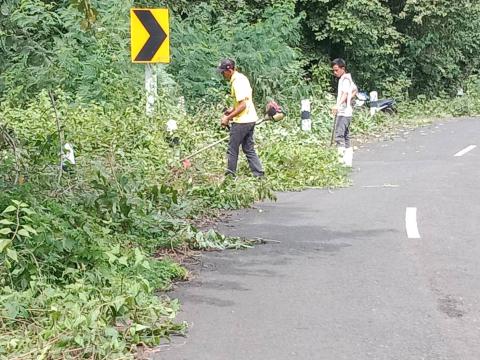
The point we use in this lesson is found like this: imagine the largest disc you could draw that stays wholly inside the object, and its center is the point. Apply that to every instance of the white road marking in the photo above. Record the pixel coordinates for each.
(411, 223)
(466, 150)
(381, 186)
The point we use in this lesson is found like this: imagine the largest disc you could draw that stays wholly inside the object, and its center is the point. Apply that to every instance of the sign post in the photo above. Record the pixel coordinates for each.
(151, 87)
(150, 44)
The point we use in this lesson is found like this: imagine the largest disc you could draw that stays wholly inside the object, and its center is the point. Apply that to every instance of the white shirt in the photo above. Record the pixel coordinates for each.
(345, 85)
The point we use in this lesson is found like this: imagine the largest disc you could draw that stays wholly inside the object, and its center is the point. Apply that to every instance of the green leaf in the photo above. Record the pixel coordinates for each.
(4, 243)
(9, 209)
(12, 254)
(6, 222)
(79, 340)
(138, 256)
(4, 10)
(111, 257)
(23, 232)
(12, 309)
(17, 271)
(140, 327)
(30, 229)
(111, 332)
(115, 250)
(5, 231)
(118, 303)
(27, 211)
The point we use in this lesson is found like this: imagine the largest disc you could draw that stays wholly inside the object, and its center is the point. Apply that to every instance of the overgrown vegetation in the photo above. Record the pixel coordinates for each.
(77, 275)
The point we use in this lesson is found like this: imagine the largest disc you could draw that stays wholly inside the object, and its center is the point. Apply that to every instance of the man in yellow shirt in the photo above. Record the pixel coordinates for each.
(241, 118)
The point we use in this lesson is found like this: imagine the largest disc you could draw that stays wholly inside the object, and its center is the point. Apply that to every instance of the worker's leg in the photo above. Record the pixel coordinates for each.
(348, 154)
(236, 137)
(340, 129)
(248, 147)
(348, 120)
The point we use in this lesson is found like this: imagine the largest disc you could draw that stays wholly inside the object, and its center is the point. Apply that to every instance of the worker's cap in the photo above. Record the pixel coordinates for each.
(226, 64)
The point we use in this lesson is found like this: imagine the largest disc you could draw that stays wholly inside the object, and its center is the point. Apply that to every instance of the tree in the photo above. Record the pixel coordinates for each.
(442, 43)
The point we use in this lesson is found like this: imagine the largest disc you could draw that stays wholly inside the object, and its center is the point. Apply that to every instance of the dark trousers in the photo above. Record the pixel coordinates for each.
(342, 131)
(242, 134)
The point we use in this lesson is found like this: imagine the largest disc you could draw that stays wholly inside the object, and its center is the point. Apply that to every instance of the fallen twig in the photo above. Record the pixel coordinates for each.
(264, 241)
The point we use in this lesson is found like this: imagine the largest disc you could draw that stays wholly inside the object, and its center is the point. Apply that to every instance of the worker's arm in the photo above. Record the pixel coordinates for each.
(343, 99)
(354, 93)
(241, 106)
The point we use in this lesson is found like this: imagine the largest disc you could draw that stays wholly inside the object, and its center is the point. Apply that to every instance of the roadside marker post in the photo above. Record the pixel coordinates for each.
(306, 123)
(150, 45)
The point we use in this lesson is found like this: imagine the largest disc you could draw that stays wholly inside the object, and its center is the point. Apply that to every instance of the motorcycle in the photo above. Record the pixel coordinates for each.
(387, 106)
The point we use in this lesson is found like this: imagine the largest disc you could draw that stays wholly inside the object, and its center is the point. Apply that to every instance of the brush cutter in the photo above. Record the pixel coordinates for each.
(273, 112)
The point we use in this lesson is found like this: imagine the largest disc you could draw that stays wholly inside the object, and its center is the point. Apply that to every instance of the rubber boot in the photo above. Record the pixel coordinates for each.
(341, 154)
(348, 157)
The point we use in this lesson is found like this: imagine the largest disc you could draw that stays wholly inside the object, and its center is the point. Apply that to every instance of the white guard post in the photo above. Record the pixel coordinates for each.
(69, 153)
(171, 126)
(373, 100)
(151, 88)
(306, 117)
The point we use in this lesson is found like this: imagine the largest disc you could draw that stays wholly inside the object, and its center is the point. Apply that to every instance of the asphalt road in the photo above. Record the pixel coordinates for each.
(350, 279)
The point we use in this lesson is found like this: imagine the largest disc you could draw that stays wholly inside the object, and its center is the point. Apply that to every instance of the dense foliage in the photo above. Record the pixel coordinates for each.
(399, 47)
(78, 275)
(396, 46)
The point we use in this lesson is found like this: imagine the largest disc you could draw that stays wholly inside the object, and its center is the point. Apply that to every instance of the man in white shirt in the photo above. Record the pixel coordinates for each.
(241, 118)
(343, 110)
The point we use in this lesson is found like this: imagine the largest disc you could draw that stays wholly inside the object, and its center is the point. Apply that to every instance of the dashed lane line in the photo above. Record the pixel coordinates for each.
(466, 150)
(411, 223)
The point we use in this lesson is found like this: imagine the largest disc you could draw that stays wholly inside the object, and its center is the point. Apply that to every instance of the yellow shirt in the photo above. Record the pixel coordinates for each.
(241, 90)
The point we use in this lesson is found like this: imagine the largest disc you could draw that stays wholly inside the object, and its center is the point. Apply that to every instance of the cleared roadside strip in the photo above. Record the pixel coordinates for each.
(466, 150)
(411, 223)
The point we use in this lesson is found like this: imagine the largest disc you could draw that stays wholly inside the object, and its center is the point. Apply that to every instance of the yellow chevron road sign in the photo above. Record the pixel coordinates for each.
(150, 36)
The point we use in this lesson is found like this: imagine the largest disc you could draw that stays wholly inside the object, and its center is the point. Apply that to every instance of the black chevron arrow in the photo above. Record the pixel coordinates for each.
(157, 35)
